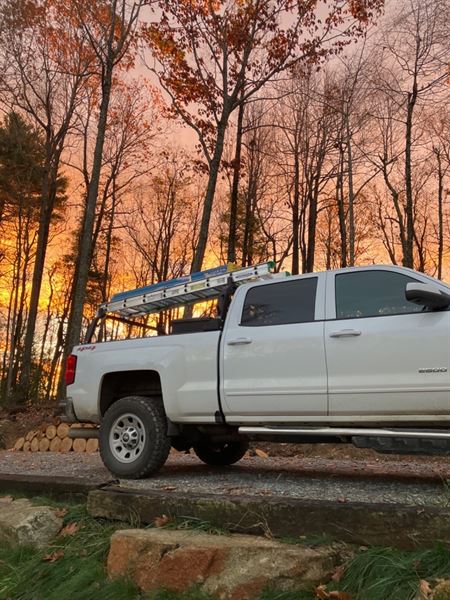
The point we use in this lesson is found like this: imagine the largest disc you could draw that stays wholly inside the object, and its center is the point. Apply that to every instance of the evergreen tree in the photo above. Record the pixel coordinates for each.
(22, 169)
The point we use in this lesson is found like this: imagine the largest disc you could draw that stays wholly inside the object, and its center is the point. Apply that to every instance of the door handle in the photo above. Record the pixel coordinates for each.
(239, 341)
(345, 333)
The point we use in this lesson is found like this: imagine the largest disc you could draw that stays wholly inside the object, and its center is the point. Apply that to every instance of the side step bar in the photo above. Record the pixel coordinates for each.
(438, 434)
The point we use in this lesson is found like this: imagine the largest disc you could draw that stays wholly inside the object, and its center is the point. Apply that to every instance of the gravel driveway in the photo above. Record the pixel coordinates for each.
(308, 478)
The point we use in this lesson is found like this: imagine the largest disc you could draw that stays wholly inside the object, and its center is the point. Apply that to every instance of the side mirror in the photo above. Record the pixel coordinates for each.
(427, 294)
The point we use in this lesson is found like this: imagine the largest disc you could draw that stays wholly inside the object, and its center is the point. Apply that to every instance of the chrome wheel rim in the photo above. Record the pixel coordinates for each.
(127, 438)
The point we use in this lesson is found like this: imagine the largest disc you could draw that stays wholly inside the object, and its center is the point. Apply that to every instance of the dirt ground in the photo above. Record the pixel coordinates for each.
(19, 421)
(22, 421)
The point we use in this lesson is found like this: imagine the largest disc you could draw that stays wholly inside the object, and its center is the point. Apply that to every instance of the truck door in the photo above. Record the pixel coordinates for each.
(386, 356)
(273, 357)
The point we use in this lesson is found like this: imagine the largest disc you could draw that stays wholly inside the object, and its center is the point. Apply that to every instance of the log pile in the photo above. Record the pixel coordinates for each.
(54, 437)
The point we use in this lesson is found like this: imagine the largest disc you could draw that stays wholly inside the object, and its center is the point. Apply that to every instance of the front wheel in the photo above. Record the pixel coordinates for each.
(132, 439)
(221, 454)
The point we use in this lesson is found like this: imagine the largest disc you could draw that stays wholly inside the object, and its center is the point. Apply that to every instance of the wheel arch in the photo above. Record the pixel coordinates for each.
(120, 384)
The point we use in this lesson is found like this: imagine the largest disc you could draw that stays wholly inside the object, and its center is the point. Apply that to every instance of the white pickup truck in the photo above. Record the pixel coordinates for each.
(359, 355)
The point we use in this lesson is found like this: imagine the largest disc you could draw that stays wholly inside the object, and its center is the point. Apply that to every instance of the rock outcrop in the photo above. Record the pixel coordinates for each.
(23, 523)
(235, 567)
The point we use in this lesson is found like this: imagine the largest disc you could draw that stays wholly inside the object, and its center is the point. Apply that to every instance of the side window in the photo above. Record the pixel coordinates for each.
(372, 294)
(280, 303)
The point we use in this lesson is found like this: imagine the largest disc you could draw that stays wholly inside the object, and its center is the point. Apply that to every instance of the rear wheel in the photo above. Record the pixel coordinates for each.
(221, 454)
(133, 441)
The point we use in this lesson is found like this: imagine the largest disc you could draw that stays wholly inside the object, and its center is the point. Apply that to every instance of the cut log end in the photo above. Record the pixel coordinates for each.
(55, 444)
(44, 445)
(66, 445)
(63, 430)
(50, 432)
(92, 445)
(79, 445)
(19, 444)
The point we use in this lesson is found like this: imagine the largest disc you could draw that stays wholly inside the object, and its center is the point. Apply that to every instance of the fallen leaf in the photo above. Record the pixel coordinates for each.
(338, 573)
(321, 592)
(61, 512)
(342, 500)
(336, 595)
(54, 556)
(69, 529)
(261, 453)
(169, 488)
(161, 521)
(6, 499)
(424, 590)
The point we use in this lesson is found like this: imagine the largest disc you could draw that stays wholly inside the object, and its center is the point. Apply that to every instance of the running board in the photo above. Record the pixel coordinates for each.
(346, 432)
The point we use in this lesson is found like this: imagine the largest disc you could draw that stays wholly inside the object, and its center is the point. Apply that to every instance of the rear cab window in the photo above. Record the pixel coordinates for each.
(279, 303)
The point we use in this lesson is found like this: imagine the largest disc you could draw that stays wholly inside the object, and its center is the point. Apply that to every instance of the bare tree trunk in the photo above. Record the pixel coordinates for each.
(48, 202)
(396, 201)
(408, 258)
(296, 216)
(351, 195)
(105, 282)
(234, 198)
(440, 212)
(48, 319)
(341, 208)
(214, 168)
(314, 202)
(85, 240)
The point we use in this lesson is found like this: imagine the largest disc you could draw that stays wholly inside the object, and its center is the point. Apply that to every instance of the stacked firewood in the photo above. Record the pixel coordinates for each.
(54, 437)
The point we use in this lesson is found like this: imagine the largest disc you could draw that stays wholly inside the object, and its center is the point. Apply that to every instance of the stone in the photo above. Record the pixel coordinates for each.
(23, 523)
(357, 523)
(235, 567)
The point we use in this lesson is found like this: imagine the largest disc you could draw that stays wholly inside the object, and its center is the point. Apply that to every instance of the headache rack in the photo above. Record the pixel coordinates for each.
(165, 295)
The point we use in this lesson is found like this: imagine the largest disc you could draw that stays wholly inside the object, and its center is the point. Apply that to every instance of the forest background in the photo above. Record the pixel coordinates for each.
(142, 140)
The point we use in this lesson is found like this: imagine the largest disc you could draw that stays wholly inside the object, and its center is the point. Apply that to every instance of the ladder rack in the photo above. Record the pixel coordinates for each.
(197, 287)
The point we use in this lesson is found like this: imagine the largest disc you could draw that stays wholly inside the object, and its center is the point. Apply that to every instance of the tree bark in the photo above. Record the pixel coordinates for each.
(351, 194)
(440, 213)
(214, 168)
(48, 202)
(408, 257)
(85, 241)
(341, 208)
(295, 266)
(234, 197)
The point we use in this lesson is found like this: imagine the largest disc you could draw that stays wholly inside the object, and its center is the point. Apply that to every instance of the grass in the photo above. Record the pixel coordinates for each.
(197, 525)
(79, 572)
(389, 574)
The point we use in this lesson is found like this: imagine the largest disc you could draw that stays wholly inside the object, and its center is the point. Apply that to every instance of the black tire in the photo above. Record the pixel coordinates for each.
(145, 419)
(221, 454)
